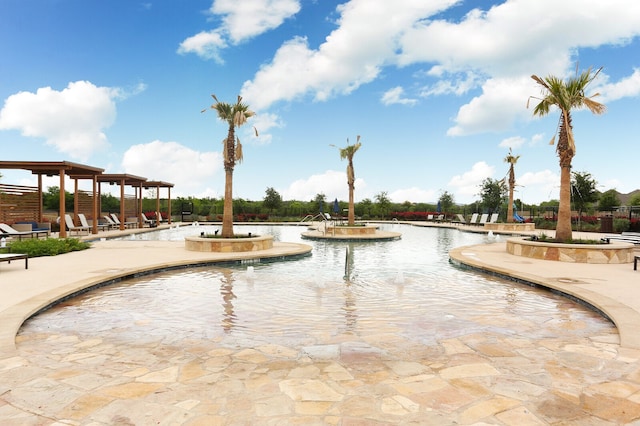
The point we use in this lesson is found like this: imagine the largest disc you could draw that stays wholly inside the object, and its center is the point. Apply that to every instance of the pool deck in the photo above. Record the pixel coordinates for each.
(612, 289)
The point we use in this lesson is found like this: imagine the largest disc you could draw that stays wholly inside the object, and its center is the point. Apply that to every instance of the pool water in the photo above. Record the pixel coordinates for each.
(396, 296)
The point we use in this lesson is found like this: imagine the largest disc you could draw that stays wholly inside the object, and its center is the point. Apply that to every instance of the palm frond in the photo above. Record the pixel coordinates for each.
(239, 155)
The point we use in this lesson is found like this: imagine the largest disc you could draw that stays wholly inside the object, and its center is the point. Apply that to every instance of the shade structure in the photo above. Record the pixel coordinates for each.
(58, 168)
(123, 180)
(157, 185)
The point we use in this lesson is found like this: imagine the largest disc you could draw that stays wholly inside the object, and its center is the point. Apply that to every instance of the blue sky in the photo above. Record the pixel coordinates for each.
(437, 89)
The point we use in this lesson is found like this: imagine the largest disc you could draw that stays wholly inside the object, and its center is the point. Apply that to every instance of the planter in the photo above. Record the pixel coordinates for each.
(351, 230)
(575, 253)
(510, 227)
(228, 245)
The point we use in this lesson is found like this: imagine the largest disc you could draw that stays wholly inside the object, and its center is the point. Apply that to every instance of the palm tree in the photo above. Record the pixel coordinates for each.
(235, 115)
(348, 152)
(512, 160)
(566, 95)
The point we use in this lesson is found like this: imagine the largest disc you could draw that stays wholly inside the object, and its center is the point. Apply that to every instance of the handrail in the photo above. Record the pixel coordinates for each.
(311, 218)
(346, 264)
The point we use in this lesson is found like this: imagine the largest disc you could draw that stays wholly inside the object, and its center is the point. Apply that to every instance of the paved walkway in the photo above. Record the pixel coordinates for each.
(479, 379)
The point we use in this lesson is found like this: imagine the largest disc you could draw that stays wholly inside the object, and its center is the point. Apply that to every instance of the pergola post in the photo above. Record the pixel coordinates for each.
(169, 213)
(95, 205)
(39, 214)
(122, 219)
(63, 226)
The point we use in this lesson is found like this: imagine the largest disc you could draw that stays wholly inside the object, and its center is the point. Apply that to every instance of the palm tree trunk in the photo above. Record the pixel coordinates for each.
(352, 216)
(510, 206)
(227, 213)
(563, 227)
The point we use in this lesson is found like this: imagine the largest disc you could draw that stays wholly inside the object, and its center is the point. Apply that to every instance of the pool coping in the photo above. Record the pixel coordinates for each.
(609, 289)
(48, 281)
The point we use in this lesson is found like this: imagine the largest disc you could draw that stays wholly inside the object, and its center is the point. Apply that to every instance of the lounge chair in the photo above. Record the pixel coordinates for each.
(8, 231)
(85, 222)
(127, 223)
(483, 219)
(430, 217)
(474, 219)
(71, 226)
(494, 218)
(110, 222)
(147, 222)
(459, 219)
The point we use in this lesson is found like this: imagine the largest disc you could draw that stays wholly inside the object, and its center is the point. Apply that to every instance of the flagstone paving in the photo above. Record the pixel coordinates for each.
(564, 376)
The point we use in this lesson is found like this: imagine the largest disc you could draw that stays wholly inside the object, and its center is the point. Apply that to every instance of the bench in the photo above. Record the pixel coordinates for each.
(8, 257)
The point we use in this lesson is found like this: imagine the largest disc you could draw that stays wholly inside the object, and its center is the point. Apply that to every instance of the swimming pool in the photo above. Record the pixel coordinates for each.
(406, 338)
(403, 288)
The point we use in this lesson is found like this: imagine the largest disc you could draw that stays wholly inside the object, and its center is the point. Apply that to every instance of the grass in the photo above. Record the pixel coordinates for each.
(45, 247)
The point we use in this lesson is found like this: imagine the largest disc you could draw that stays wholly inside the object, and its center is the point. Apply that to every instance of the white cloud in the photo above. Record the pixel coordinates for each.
(467, 185)
(263, 123)
(72, 120)
(484, 49)
(536, 187)
(396, 96)
(626, 87)
(187, 169)
(241, 20)
(248, 18)
(535, 139)
(206, 44)
(512, 142)
(352, 55)
(501, 103)
(457, 85)
(414, 195)
(332, 184)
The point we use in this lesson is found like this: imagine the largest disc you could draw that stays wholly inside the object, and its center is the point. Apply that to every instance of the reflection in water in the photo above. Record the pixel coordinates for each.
(403, 289)
(226, 290)
(350, 310)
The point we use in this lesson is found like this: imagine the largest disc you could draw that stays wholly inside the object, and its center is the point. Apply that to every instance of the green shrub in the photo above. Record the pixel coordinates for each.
(46, 247)
(621, 225)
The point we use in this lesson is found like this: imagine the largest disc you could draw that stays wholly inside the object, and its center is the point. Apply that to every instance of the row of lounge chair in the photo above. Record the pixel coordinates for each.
(110, 222)
(484, 218)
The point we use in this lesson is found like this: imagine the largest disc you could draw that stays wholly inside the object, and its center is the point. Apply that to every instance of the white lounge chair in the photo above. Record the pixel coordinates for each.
(71, 226)
(127, 223)
(494, 218)
(147, 222)
(474, 219)
(8, 231)
(85, 223)
(460, 219)
(110, 222)
(483, 219)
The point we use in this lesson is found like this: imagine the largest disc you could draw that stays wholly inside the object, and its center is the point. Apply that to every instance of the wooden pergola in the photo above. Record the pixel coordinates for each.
(124, 179)
(159, 184)
(59, 168)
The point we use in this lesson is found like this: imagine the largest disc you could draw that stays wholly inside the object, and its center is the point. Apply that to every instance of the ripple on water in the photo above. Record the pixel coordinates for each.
(404, 288)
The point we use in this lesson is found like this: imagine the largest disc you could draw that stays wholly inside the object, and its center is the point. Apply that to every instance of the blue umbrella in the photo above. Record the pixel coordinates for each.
(336, 206)
(439, 207)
